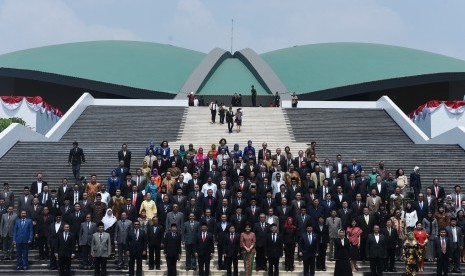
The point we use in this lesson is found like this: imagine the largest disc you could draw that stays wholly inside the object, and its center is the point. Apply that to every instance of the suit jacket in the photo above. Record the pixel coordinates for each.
(334, 224)
(384, 191)
(23, 233)
(206, 204)
(307, 249)
(206, 164)
(373, 206)
(7, 225)
(356, 169)
(302, 222)
(43, 225)
(356, 209)
(231, 248)
(137, 244)
(262, 153)
(122, 231)
(22, 204)
(101, 247)
(227, 212)
(34, 214)
(239, 224)
(86, 233)
(9, 197)
(53, 234)
(459, 235)
(204, 248)
(34, 188)
(421, 212)
(155, 234)
(142, 183)
(391, 240)
(274, 249)
(172, 244)
(438, 248)
(75, 222)
(126, 158)
(376, 249)
(65, 248)
(260, 234)
(139, 199)
(227, 195)
(76, 156)
(188, 232)
(174, 218)
(314, 178)
(182, 202)
(61, 194)
(323, 233)
(132, 213)
(361, 222)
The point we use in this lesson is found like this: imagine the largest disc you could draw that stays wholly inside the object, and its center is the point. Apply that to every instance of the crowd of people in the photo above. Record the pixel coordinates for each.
(256, 205)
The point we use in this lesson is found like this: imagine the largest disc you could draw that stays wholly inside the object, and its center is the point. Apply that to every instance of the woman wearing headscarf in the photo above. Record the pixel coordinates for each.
(449, 207)
(113, 183)
(156, 178)
(237, 151)
(213, 151)
(289, 240)
(430, 224)
(411, 217)
(182, 152)
(152, 188)
(441, 217)
(199, 156)
(143, 219)
(415, 180)
(223, 145)
(191, 150)
(145, 169)
(109, 221)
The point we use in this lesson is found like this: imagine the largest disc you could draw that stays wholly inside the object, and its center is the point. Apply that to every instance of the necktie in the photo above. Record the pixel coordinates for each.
(274, 238)
(203, 236)
(88, 225)
(173, 234)
(22, 223)
(310, 239)
(192, 225)
(100, 237)
(232, 238)
(263, 226)
(353, 185)
(253, 210)
(134, 199)
(137, 234)
(443, 246)
(66, 236)
(366, 219)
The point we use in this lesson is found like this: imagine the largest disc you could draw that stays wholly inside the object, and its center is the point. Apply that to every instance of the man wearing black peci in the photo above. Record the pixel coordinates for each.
(274, 250)
(231, 251)
(204, 248)
(65, 250)
(376, 251)
(155, 233)
(137, 244)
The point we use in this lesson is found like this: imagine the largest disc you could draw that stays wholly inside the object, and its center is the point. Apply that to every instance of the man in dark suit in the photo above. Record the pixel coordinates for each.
(437, 191)
(357, 206)
(308, 250)
(130, 210)
(238, 220)
(231, 250)
(125, 155)
(454, 233)
(261, 230)
(136, 197)
(222, 228)
(209, 162)
(391, 237)
(366, 222)
(44, 195)
(137, 244)
(37, 186)
(274, 250)
(87, 230)
(64, 191)
(322, 231)
(76, 158)
(155, 236)
(43, 226)
(345, 214)
(376, 251)
(172, 249)
(421, 205)
(263, 151)
(55, 230)
(442, 248)
(204, 249)
(75, 219)
(65, 250)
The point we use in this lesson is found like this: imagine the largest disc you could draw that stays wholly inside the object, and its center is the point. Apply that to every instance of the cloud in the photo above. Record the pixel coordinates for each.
(28, 24)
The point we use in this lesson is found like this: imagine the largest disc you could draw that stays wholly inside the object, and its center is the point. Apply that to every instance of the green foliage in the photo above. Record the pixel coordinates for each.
(5, 122)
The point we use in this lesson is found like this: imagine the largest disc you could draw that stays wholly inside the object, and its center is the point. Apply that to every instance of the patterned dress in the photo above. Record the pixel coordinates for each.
(410, 251)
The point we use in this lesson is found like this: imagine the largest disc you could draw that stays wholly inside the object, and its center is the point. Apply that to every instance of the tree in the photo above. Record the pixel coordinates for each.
(5, 122)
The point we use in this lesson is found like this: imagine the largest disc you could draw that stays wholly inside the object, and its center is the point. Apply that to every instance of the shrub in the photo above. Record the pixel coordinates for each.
(5, 122)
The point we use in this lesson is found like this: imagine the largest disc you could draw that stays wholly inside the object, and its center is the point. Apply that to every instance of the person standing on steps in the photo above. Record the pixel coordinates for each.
(230, 119)
(76, 158)
(294, 100)
(22, 238)
(222, 112)
(191, 98)
(276, 100)
(239, 119)
(253, 92)
(100, 250)
(213, 107)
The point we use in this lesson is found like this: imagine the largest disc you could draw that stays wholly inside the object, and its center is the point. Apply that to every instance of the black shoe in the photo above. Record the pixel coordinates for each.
(157, 268)
(119, 268)
(151, 268)
(323, 269)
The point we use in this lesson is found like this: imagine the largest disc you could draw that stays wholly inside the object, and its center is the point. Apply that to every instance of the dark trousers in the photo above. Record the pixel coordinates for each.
(76, 171)
(7, 248)
(321, 258)
(22, 251)
(204, 265)
(376, 266)
(442, 265)
(220, 256)
(309, 265)
(391, 259)
(44, 251)
(229, 263)
(191, 262)
(230, 126)
(363, 244)
(171, 264)
(86, 257)
(213, 112)
(122, 257)
(65, 266)
(53, 259)
(154, 251)
(222, 118)
(455, 256)
(254, 101)
(260, 258)
(135, 259)
(100, 268)
(289, 255)
(273, 266)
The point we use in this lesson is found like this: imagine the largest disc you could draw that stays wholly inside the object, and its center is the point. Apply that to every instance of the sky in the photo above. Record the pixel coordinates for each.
(262, 25)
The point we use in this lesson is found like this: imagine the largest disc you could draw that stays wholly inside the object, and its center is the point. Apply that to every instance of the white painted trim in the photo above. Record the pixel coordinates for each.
(331, 104)
(60, 128)
(139, 102)
(452, 136)
(412, 130)
(15, 133)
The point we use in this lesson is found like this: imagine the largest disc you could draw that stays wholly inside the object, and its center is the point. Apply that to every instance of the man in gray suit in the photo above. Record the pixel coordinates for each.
(140, 180)
(189, 230)
(334, 224)
(122, 228)
(88, 228)
(101, 249)
(175, 217)
(6, 231)
(24, 201)
(7, 195)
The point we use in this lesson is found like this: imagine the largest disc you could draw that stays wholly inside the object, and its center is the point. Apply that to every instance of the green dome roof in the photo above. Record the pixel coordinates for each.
(151, 66)
(311, 68)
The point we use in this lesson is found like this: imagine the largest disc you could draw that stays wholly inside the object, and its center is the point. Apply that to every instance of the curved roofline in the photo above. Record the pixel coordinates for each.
(85, 84)
(262, 71)
(366, 87)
